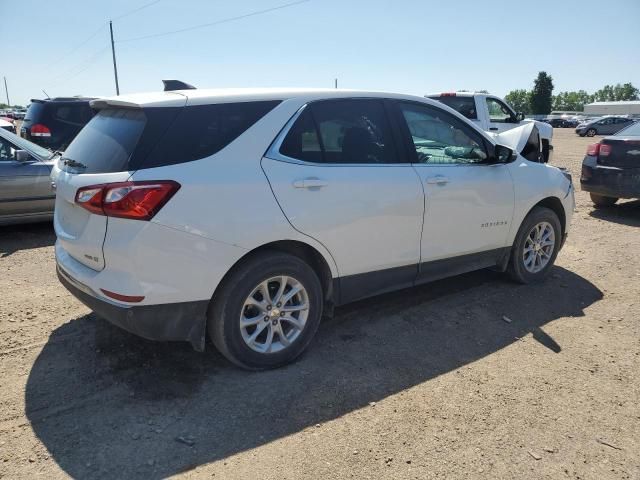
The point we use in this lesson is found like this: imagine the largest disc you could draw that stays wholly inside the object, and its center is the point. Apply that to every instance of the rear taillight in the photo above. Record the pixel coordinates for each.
(133, 200)
(40, 130)
(593, 149)
(605, 150)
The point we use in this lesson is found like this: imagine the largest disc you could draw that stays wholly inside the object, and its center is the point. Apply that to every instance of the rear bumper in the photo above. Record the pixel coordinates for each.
(165, 322)
(610, 181)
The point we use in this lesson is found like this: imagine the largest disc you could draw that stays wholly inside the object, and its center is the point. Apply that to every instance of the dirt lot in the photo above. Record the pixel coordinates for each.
(424, 383)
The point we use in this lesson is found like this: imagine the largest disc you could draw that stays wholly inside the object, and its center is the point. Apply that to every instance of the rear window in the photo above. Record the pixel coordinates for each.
(117, 140)
(106, 143)
(34, 111)
(632, 131)
(463, 105)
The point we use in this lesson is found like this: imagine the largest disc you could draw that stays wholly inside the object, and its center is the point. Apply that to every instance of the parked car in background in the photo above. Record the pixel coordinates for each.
(493, 115)
(18, 113)
(557, 122)
(603, 126)
(54, 123)
(245, 214)
(25, 187)
(611, 167)
(7, 124)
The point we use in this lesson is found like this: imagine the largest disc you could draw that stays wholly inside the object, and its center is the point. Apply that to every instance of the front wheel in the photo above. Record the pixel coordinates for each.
(536, 246)
(267, 311)
(591, 132)
(602, 201)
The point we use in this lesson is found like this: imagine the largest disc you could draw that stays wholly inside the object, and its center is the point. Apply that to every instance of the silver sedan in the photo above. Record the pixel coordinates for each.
(26, 193)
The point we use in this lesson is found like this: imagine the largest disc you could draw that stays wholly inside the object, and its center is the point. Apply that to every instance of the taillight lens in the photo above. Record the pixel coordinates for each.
(40, 130)
(593, 149)
(133, 200)
(605, 150)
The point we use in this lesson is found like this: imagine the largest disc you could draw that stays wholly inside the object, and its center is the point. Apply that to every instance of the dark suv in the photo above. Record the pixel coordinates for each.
(54, 122)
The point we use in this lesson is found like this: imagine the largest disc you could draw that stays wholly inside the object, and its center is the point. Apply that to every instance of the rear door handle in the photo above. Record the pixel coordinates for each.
(438, 180)
(309, 183)
(493, 128)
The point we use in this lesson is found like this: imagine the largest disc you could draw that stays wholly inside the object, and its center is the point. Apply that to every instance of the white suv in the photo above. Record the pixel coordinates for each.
(247, 214)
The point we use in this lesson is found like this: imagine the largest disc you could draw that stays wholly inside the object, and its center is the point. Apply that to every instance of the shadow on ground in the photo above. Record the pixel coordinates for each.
(24, 237)
(107, 404)
(624, 213)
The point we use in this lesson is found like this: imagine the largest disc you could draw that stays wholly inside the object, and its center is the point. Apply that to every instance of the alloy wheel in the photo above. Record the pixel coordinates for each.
(538, 247)
(274, 314)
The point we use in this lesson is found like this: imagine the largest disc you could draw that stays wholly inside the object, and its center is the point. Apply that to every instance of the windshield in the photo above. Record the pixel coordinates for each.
(38, 151)
(631, 131)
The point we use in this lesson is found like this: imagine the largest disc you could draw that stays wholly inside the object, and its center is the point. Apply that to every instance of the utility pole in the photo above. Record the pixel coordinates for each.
(6, 90)
(113, 51)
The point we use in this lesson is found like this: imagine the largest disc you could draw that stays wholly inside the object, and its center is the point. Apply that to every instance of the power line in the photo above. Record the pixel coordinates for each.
(136, 10)
(85, 64)
(218, 22)
(90, 37)
(75, 49)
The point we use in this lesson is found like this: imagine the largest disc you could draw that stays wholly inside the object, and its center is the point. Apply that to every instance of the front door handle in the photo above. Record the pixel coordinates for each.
(493, 128)
(438, 180)
(309, 183)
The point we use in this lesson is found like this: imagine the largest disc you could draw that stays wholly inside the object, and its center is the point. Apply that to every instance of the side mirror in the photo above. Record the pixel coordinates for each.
(520, 116)
(23, 156)
(502, 154)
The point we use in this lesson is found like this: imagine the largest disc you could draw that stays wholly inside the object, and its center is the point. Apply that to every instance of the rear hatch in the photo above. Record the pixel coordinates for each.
(622, 152)
(33, 116)
(109, 149)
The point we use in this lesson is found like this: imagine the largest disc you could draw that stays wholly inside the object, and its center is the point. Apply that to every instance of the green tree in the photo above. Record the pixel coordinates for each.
(542, 94)
(520, 100)
(573, 101)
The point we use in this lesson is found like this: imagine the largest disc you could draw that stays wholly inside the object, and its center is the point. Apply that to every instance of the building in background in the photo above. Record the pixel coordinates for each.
(630, 107)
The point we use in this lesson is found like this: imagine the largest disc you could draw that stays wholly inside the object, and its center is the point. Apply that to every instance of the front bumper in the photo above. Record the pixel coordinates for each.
(165, 322)
(609, 181)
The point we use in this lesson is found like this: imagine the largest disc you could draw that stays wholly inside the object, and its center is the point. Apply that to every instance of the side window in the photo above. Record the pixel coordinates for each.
(341, 131)
(498, 111)
(302, 140)
(463, 105)
(200, 131)
(439, 138)
(7, 151)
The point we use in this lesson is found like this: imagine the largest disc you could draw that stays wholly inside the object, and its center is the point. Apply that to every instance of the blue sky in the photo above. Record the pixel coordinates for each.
(402, 45)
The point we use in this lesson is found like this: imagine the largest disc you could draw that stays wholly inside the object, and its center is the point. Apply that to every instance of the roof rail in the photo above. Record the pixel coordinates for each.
(170, 85)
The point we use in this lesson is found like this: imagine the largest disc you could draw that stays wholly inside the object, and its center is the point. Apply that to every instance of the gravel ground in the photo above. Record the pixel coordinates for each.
(430, 382)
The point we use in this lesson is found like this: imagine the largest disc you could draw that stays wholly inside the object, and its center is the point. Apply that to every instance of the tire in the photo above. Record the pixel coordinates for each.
(243, 285)
(601, 201)
(519, 269)
(591, 132)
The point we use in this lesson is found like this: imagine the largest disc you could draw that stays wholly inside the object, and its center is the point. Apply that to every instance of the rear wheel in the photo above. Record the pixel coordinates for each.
(267, 311)
(591, 132)
(536, 246)
(602, 201)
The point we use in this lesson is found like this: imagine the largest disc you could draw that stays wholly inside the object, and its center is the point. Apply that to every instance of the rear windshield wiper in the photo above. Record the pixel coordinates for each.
(68, 162)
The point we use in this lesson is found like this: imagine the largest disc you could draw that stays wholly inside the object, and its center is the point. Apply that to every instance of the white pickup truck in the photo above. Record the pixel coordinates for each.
(494, 115)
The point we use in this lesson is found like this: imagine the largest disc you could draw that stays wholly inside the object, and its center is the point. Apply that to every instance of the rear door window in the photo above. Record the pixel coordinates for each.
(353, 131)
(464, 105)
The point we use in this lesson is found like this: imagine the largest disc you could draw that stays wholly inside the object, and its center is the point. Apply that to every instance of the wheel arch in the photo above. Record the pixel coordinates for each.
(555, 205)
(302, 250)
